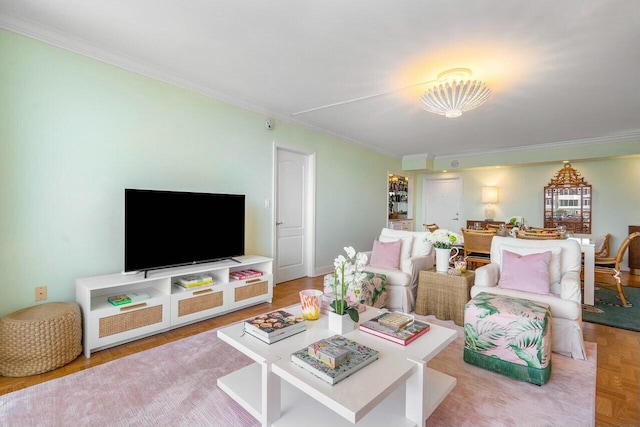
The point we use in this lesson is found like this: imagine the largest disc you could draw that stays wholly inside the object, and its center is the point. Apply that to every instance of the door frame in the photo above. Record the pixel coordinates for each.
(426, 196)
(310, 208)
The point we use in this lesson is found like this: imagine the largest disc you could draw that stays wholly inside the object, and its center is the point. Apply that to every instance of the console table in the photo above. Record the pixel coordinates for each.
(398, 389)
(169, 305)
(401, 224)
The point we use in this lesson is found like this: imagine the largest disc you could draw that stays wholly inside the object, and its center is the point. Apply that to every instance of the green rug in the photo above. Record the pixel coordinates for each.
(608, 311)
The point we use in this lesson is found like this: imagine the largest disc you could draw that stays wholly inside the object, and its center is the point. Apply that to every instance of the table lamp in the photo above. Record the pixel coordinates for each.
(489, 196)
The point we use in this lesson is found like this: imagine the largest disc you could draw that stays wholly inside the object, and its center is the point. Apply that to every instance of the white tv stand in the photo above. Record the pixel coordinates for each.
(169, 306)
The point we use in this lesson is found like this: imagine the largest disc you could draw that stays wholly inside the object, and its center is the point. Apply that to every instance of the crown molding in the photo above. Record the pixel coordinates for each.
(100, 53)
(65, 41)
(612, 139)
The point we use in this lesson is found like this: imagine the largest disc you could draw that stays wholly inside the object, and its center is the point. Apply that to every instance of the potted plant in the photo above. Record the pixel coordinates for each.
(443, 241)
(347, 274)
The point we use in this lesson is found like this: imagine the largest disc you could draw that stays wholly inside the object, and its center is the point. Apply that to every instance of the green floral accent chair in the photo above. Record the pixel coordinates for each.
(372, 291)
(508, 335)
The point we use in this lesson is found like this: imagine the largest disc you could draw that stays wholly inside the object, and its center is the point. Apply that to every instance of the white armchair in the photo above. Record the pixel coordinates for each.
(564, 297)
(402, 283)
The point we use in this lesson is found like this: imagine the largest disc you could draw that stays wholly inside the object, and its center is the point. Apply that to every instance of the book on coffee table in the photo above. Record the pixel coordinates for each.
(359, 357)
(403, 336)
(274, 326)
(395, 320)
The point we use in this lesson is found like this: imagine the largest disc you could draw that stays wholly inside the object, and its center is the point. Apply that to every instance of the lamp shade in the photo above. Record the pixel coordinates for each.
(489, 194)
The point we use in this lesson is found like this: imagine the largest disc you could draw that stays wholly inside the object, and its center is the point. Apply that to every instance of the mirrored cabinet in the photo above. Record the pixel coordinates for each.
(398, 195)
(567, 201)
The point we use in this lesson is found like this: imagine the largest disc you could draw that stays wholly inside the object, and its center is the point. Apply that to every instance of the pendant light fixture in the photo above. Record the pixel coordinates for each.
(455, 93)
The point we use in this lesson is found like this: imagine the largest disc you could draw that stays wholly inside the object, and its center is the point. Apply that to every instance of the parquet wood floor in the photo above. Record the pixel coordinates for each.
(618, 376)
(617, 381)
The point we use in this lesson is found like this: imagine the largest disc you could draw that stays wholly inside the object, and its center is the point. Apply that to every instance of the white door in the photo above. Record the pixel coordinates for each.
(442, 198)
(292, 214)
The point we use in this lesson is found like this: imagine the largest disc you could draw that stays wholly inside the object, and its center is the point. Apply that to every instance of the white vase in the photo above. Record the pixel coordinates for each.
(442, 260)
(341, 324)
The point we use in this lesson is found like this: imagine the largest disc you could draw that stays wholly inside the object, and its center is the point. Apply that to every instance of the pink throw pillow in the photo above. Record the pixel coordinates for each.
(528, 273)
(386, 254)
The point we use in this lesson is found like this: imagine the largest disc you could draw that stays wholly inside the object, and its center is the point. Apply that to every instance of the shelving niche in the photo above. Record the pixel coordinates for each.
(169, 305)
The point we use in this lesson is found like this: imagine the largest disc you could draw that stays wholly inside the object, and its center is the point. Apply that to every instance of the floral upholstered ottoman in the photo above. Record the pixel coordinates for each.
(508, 335)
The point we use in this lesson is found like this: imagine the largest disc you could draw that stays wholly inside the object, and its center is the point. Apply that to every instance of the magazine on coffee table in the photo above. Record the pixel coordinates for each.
(359, 357)
(403, 336)
(274, 326)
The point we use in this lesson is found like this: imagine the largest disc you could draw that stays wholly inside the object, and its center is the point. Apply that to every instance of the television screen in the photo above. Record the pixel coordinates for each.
(171, 228)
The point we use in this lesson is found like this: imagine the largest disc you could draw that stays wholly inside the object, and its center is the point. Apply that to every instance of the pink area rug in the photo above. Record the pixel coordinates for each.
(175, 385)
(482, 398)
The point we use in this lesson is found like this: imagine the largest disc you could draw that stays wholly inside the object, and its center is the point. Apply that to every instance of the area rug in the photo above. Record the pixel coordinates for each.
(175, 385)
(487, 399)
(608, 311)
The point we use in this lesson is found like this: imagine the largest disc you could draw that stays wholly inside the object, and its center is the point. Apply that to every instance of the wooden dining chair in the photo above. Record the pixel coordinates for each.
(602, 246)
(500, 229)
(611, 267)
(543, 229)
(477, 246)
(493, 226)
(487, 231)
(430, 227)
(547, 235)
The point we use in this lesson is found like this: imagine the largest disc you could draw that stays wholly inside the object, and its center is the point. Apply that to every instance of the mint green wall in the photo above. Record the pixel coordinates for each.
(75, 132)
(615, 182)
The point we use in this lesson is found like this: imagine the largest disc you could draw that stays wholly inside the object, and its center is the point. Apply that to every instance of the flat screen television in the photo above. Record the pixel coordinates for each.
(172, 228)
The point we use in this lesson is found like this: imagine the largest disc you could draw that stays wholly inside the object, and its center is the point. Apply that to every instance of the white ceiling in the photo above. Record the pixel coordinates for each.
(562, 71)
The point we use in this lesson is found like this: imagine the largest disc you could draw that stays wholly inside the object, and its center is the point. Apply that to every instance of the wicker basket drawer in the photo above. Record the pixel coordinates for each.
(251, 290)
(127, 321)
(205, 301)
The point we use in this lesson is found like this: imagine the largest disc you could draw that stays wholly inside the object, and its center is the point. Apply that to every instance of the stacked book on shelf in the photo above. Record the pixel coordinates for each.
(400, 328)
(245, 274)
(194, 281)
(274, 326)
(335, 358)
(127, 298)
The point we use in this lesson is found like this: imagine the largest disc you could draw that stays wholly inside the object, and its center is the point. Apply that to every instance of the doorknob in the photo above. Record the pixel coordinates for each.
(279, 223)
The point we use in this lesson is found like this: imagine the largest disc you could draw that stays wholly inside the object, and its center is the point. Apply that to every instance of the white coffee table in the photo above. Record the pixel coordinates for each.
(397, 389)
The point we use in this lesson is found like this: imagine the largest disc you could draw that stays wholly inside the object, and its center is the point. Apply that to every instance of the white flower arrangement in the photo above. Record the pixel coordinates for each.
(348, 274)
(443, 239)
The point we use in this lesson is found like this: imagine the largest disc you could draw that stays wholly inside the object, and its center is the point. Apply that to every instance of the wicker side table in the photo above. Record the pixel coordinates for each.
(444, 295)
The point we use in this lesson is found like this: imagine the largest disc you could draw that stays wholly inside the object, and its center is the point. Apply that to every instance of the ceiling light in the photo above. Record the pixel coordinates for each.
(455, 93)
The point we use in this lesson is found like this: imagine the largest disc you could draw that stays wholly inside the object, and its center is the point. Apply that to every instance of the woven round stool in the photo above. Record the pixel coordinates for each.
(40, 339)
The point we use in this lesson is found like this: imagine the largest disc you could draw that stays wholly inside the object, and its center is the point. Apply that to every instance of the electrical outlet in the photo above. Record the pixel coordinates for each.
(41, 293)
